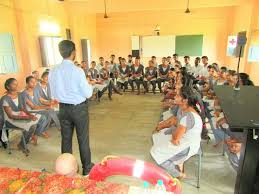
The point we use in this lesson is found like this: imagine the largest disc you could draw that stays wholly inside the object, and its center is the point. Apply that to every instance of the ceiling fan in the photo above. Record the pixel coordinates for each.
(187, 9)
(105, 10)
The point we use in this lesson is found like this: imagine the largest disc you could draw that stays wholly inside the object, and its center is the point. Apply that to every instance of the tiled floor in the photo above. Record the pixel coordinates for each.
(123, 127)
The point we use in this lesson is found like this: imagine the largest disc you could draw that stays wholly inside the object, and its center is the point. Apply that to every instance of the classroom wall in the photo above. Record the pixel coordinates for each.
(7, 12)
(246, 18)
(23, 22)
(114, 34)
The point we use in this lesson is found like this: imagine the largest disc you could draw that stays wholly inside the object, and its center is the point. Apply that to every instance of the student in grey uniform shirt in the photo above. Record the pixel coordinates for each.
(153, 58)
(197, 67)
(93, 72)
(28, 103)
(105, 78)
(137, 71)
(70, 87)
(101, 64)
(187, 64)
(93, 76)
(150, 76)
(130, 61)
(113, 67)
(123, 75)
(16, 117)
(163, 73)
(42, 95)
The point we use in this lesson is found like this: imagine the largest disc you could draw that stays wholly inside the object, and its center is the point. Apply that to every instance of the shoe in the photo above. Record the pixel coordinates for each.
(88, 169)
(110, 98)
(4, 144)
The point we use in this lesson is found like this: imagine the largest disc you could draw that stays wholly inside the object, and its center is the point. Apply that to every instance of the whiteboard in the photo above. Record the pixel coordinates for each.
(159, 46)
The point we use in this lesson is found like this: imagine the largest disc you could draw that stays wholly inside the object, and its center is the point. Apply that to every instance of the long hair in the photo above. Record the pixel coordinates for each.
(187, 93)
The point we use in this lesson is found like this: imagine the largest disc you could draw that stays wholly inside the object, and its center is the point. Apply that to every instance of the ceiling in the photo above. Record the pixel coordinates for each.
(97, 6)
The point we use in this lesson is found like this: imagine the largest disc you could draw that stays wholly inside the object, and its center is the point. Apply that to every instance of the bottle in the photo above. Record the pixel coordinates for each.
(146, 188)
(160, 187)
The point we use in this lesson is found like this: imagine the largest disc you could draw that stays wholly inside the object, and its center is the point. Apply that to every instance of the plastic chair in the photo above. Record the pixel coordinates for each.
(5, 128)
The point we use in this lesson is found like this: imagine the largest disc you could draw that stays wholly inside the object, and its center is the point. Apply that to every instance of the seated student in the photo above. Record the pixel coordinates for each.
(163, 73)
(113, 67)
(231, 78)
(77, 64)
(187, 64)
(119, 59)
(245, 80)
(101, 64)
(222, 79)
(153, 58)
(15, 117)
(93, 76)
(84, 67)
(42, 96)
(36, 75)
(67, 165)
(123, 75)
(216, 66)
(29, 105)
(130, 61)
(105, 78)
(169, 60)
(204, 73)
(233, 152)
(169, 88)
(221, 129)
(176, 60)
(197, 67)
(150, 77)
(171, 151)
(137, 71)
(210, 80)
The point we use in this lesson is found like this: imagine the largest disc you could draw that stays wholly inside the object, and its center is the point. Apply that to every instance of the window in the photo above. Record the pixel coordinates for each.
(49, 50)
(8, 61)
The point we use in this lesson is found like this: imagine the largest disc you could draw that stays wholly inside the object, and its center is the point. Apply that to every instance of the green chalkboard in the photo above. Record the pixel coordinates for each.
(190, 45)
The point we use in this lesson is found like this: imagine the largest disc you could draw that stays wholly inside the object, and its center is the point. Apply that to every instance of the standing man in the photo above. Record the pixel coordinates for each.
(69, 86)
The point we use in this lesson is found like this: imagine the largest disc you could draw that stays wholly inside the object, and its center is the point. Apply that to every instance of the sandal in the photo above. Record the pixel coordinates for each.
(34, 140)
(45, 135)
